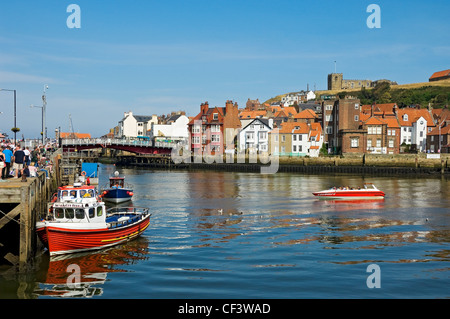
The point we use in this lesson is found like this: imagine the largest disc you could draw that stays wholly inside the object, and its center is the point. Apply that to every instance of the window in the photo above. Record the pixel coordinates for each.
(329, 118)
(69, 213)
(328, 107)
(354, 142)
(196, 129)
(215, 116)
(369, 143)
(356, 106)
(432, 138)
(59, 213)
(405, 117)
(421, 133)
(294, 137)
(294, 148)
(215, 128)
(378, 142)
(99, 211)
(250, 136)
(283, 138)
(329, 130)
(216, 138)
(391, 143)
(356, 118)
(195, 139)
(369, 130)
(91, 213)
(79, 213)
(262, 135)
(378, 130)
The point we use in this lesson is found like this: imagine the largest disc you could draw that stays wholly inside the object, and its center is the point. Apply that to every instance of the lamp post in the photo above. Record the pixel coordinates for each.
(44, 106)
(15, 127)
(42, 121)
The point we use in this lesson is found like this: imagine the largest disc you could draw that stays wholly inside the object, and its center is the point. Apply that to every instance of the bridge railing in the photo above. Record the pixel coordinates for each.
(115, 141)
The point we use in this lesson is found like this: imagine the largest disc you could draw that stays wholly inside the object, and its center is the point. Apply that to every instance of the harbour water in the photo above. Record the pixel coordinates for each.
(222, 235)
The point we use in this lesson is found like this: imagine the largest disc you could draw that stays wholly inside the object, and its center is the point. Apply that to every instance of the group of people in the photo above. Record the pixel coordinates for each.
(16, 161)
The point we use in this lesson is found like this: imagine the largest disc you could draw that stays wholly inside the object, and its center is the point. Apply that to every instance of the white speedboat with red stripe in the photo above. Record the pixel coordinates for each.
(351, 193)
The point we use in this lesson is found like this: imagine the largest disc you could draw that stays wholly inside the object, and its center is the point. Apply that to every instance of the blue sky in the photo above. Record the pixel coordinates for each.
(154, 57)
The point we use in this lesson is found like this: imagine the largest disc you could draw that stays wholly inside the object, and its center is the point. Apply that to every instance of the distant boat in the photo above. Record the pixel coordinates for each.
(83, 224)
(349, 193)
(116, 191)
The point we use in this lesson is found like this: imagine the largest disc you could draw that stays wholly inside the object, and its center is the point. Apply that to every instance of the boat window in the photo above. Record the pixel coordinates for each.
(59, 213)
(91, 193)
(91, 213)
(64, 193)
(69, 213)
(99, 211)
(79, 213)
(82, 193)
(73, 193)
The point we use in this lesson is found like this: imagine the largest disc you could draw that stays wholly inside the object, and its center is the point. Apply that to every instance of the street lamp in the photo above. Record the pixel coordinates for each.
(44, 105)
(42, 123)
(14, 129)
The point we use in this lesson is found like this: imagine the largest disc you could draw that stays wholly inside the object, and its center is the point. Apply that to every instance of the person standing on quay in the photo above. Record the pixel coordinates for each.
(27, 156)
(8, 154)
(2, 161)
(19, 158)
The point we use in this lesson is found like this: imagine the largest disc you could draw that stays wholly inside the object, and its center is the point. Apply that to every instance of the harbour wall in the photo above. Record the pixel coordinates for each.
(22, 202)
(366, 164)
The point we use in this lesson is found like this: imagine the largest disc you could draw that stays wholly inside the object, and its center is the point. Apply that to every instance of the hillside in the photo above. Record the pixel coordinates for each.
(437, 93)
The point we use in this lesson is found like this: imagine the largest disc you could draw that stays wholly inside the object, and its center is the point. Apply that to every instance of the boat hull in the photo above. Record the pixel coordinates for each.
(350, 195)
(117, 195)
(65, 240)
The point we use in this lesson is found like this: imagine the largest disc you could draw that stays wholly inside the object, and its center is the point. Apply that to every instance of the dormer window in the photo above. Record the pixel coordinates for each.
(405, 117)
(216, 116)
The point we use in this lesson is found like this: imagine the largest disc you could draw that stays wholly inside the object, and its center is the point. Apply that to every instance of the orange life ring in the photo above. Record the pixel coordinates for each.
(83, 173)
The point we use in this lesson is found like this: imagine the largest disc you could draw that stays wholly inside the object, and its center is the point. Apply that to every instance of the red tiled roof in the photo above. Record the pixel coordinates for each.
(77, 135)
(440, 74)
(306, 114)
(444, 130)
(414, 115)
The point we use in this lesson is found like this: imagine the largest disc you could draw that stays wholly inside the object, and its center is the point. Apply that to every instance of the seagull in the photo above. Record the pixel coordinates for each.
(220, 211)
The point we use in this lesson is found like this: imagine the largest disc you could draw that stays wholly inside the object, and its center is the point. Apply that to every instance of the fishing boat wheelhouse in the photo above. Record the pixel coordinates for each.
(117, 191)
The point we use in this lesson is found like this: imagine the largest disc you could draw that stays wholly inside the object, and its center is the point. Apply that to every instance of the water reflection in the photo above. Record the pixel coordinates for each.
(82, 275)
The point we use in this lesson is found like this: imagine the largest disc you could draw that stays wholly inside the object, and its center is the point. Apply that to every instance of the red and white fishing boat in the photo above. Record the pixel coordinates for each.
(82, 223)
(350, 193)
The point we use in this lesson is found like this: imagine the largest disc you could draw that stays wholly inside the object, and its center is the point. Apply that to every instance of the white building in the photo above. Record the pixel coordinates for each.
(413, 131)
(310, 96)
(135, 125)
(254, 137)
(307, 139)
(175, 130)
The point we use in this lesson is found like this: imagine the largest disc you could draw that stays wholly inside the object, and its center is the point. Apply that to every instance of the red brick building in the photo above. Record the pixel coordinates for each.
(341, 123)
(208, 129)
